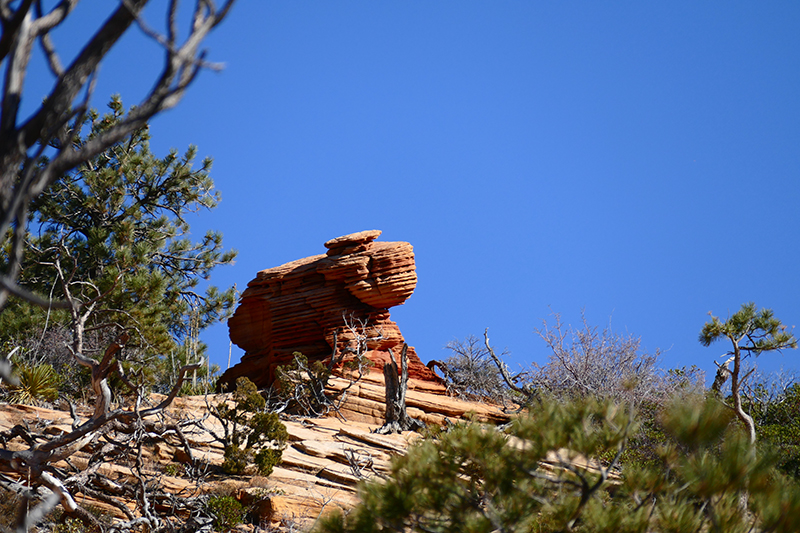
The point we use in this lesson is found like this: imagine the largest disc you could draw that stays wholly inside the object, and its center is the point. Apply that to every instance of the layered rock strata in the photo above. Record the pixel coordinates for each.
(305, 305)
(321, 467)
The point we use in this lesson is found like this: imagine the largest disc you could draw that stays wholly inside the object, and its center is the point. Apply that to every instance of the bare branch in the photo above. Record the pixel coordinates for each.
(397, 419)
(501, 366)
(22, 175)
(54, 130)
(25, 294)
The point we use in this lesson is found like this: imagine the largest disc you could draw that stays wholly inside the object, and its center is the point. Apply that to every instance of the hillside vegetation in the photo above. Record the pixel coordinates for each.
(109, 421)
(540, 454)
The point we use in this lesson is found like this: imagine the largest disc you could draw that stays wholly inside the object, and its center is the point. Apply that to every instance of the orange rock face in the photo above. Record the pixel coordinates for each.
(301, 306)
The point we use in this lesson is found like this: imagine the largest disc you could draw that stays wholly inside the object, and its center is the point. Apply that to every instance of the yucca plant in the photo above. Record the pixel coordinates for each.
(37, 383)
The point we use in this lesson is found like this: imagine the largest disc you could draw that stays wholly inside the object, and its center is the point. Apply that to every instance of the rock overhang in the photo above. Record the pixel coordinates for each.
(303, 305)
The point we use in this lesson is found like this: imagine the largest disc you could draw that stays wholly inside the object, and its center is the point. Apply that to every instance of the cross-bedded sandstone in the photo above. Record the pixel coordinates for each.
(303, 305)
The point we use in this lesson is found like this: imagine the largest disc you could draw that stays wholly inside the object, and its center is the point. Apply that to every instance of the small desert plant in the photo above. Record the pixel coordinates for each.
(172, 469)
(251, 433)
(226, 511)
(37, 384)
(9, 509)
(59, 523)
(71, 525)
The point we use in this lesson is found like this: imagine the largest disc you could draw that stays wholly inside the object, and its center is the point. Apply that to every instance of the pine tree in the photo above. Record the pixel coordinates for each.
(111, 238)
(750, 332)
(540, 475)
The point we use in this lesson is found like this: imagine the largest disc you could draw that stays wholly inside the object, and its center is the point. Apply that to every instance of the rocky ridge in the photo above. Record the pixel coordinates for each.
(321, 466)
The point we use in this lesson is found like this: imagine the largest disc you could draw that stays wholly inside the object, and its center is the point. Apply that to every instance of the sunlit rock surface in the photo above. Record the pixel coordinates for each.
(303, 305)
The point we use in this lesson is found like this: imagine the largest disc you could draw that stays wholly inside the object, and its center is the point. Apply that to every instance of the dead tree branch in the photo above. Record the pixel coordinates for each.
(397, 419)
(124, 430)
(526, 391)
(302, 387)
(54, 128)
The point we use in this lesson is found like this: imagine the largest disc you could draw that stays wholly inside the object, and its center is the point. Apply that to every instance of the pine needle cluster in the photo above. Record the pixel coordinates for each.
(539, 475)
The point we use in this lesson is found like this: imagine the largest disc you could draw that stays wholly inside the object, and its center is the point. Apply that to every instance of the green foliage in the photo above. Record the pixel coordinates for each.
(199, 384)
(750, 332)
(72, 525)
(112, 236)
(749, 329)
(252, 434)
(37, 384)
(235, 460)
(172, 469)
(778, 425)
(266, 459)
(227, 512)
(535, 477)
(644, 444)
(477, 478)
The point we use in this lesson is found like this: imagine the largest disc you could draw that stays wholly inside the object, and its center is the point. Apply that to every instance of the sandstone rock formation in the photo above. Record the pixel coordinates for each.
(304, 305)
(321, 467)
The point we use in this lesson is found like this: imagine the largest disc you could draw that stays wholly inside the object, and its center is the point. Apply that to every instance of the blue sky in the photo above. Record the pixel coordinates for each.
(639, 161)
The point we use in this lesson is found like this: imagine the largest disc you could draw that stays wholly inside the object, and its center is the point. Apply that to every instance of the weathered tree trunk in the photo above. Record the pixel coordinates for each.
(397, 420)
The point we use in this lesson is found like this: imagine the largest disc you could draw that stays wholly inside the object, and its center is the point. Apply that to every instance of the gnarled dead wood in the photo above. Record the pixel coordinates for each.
(397, 419)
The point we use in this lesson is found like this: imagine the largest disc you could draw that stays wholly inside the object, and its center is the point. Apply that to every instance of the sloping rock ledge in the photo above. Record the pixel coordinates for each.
(321, 466)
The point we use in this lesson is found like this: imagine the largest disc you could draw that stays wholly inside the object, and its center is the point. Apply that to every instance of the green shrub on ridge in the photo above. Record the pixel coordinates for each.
(538, 476)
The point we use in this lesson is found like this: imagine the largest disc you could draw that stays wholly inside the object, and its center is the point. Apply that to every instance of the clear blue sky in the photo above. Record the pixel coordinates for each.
(638, 160)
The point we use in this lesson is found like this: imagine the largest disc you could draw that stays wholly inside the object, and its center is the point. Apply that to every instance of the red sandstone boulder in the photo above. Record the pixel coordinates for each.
(301, 306)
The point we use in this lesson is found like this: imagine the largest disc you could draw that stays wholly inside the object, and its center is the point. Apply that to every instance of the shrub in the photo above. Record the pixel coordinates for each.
(301, 386)
(58, 522)
(586, 361)
(71, 525)
(537, 476)
(235, 460)
(198, 389)
(266, 459)
(226, 511)
(37, 384)
(9, 509)
(251, 434)
(777, 424)
(470, 373)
